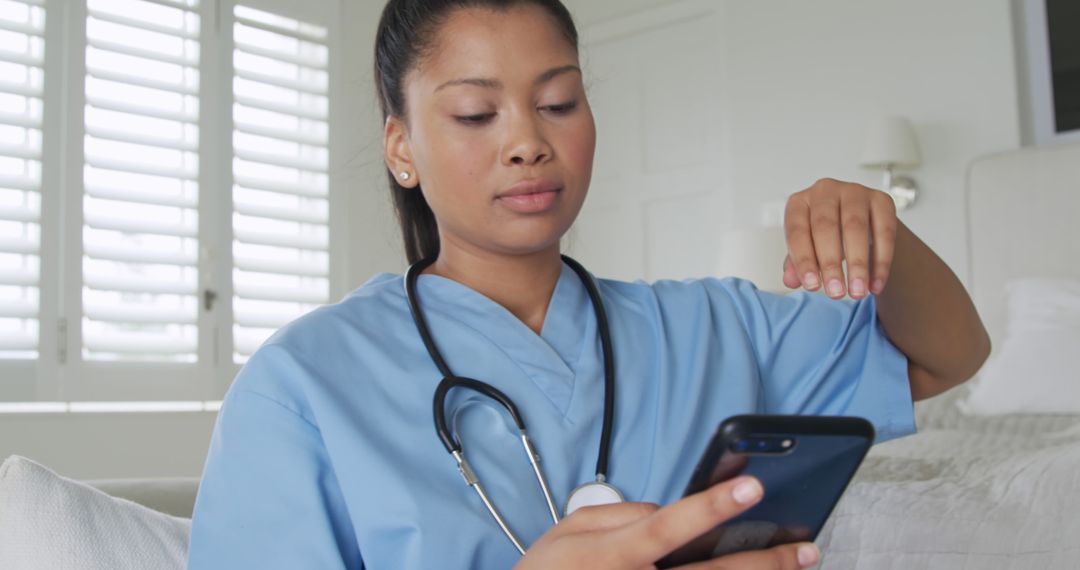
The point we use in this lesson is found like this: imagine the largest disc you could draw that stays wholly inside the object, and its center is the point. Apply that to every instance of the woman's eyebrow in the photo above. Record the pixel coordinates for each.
(496, 84)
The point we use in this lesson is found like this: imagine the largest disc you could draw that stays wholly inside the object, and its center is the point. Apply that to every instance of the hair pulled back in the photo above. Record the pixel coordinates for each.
(406, 35)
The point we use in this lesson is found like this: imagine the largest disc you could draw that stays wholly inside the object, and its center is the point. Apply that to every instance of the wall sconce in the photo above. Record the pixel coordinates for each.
(890, 143)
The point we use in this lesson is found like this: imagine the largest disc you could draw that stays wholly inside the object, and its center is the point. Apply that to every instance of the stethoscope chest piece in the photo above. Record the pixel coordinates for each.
(592, 494)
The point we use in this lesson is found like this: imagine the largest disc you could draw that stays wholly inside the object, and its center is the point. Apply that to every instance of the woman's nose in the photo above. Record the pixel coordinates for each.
(527, 144)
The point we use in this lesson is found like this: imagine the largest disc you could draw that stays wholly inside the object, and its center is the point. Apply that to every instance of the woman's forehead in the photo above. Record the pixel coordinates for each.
(509, 46)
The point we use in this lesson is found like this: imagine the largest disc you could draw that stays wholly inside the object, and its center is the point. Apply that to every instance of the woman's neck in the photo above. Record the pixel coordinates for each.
(523, 284)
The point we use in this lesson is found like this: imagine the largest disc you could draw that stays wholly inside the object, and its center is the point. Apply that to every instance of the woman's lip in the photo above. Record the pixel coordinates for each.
(530, 203)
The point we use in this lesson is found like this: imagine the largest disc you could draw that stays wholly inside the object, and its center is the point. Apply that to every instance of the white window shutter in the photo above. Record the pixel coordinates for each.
(280, 172)
(22, 50)
(140, 206)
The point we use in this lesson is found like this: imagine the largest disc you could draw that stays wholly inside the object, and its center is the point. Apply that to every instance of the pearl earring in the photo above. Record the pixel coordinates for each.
(404, 175)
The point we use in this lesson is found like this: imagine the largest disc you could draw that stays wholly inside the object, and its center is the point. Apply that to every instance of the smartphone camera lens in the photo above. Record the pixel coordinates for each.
(741, 445)
(762, 445)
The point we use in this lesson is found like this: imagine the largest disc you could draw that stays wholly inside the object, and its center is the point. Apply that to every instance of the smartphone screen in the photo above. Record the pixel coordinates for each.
(804, 463)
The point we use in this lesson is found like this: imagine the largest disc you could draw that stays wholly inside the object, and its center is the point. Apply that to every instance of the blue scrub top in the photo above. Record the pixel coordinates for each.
(324, 454)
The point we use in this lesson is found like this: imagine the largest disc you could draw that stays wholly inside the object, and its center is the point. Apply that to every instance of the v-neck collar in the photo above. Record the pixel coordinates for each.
(548, 359)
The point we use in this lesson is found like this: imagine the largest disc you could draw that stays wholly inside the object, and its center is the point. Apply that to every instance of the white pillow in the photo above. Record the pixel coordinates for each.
(1037, 369)
(49, 521)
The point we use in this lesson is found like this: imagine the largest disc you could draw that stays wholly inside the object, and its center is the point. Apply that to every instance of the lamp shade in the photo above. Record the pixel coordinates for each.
(890, 141)
(756, 254)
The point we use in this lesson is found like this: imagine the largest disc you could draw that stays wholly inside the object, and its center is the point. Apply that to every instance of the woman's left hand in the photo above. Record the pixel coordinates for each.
(833, 222)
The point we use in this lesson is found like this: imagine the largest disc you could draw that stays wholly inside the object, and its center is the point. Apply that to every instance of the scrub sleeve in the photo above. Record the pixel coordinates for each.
(269, 497)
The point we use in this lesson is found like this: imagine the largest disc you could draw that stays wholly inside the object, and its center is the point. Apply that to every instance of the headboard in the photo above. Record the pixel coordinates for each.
(1024, 221)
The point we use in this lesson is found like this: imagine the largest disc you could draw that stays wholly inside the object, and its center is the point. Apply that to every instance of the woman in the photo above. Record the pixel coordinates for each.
(324, 455)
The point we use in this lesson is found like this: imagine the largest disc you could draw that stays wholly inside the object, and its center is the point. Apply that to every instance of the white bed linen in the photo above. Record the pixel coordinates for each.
(955, 498)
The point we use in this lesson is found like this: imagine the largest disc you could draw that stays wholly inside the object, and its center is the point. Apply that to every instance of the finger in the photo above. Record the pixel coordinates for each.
(855, 220)
(783, 557)
(883, 223)
(650, 539)
(791, 275)
(800, 242)
(604, 517)
(825, 227)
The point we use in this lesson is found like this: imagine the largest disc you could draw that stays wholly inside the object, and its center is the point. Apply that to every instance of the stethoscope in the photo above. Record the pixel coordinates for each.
(598, 492)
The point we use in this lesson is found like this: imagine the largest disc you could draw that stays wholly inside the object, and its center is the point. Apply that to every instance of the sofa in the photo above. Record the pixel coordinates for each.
(49, 521)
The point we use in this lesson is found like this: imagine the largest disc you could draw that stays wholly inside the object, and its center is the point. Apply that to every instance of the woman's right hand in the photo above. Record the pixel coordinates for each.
(636, 535)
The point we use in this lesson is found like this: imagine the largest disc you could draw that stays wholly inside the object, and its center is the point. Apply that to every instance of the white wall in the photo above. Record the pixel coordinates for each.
(807, 76)
(790, 85)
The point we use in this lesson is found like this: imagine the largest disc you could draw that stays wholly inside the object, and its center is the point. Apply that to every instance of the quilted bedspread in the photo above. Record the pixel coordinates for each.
(986, 493)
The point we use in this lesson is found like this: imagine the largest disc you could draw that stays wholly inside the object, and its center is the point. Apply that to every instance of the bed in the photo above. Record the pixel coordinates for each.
(996, 485)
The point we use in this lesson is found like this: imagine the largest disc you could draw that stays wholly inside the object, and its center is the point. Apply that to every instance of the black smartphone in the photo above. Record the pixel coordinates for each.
(804, 463)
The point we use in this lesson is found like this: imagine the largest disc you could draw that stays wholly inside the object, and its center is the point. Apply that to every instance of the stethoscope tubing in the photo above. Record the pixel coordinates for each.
(450, 381)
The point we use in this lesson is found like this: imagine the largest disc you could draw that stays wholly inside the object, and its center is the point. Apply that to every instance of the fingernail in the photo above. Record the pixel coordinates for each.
(810, 281)
(808, 555)
(836, 289)
(879, 286)
(858, 287)
(747, 492)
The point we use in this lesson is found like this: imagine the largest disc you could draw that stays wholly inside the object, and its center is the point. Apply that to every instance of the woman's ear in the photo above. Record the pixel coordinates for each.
(398, 155)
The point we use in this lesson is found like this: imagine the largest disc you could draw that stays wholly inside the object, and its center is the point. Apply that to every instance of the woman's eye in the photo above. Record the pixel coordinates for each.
(562, 108)
(475, 119)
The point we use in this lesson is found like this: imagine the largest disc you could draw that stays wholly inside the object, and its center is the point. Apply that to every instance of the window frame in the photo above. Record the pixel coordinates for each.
(60, 373)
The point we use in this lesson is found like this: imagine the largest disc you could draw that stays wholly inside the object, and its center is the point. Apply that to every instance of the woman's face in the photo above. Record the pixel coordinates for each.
(500, 136)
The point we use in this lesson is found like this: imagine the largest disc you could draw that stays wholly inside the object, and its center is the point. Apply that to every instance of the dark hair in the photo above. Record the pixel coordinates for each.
(406, 34)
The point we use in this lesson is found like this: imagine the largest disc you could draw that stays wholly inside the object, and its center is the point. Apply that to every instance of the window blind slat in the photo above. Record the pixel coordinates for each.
(136, 168)
(20, 120)
(267, 293)
(296, 59)
(20, 246)
(191, 61)
(294, 34)
(286, 214)
(281, 160)
(190, 117)
(25, 151)
(298, 268)
(138, 81)
(294, 136)
(20, 28)
(138, 285)
(297, 85)
(142, 315)
(129, 255)
(18, 342)
(140, 226)
(20, 89)
(142, 139)
(18, 277)
(24, 183)
(314, 243)
(141, 24)
(140, 344)
(308, 190)
(265, 105)
(178, 4)
(26, 214)
(141, 197)
(262, 320)
(18, 58)
(18, 310)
